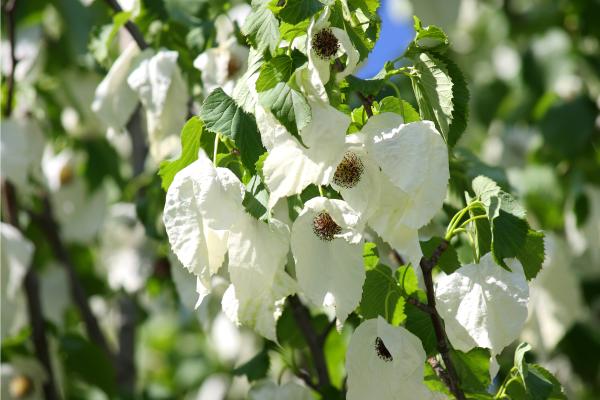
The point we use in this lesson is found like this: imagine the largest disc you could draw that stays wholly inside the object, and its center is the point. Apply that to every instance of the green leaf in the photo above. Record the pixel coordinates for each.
(508, 236)
(295, 11)
(370, 255)
(407, 279)
(289, 107)
(291, 31)
(261, 27)
(429, 38)
(190, 145)
(256, 368)
(278, 69)
(519, 362)
(102, 162)
(472, 368)
(84, 360)
(419, 323)
(368, 87)
(256, 198)
(433, 89)
(402, 107)
(532, 254)
(381, 293)
(557, 392)
(460, 101)
(448, 262)
(222, 115)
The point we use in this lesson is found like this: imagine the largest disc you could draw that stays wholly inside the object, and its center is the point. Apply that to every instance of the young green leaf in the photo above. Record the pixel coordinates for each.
(398, 106)
(222, 115)
(262, 27)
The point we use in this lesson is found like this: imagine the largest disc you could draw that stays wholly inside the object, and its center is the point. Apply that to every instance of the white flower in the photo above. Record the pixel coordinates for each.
(267, 390)
(395, 175)
(324, 45)
(161, 89)
(79, 213)
(55, 293)
(483, 305)
(202, 204)
(290, 167)
(327, 247)
(385, 362)
(556, 301)
(223, 65)
(22, 378)
(124, 251)
(21, 147)
(115, 101)
(17, 253)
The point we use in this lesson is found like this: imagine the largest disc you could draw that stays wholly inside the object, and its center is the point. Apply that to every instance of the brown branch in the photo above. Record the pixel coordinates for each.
(9, 12)
(313, 339)
(51, 230)
(34, 305)
(132, 28)
(427, 266)
(367, 102)
(421, 306)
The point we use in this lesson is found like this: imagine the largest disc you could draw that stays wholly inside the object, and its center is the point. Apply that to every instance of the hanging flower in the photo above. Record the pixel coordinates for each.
(17, 253)
(22, 378)
(483, 305)
(290, 167)
(223, 65)
(385, 362)
(327, 248)
(160, 87)
(79, 213)
(395, 175)
(267, 390)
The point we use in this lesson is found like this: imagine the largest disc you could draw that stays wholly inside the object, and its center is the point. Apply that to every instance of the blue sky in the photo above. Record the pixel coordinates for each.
(393, 39)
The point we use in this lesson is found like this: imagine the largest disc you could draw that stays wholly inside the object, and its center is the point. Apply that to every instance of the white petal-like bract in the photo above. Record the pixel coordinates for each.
(483, 305)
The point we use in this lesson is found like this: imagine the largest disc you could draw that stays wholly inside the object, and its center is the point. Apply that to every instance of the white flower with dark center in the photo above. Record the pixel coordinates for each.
(483, 305)
(223, 65)
(21, 147)
(16, 254)
(290, 167)
(395, 175)
(385, 362)
(329, 47)
(79, 212)
(22, 378)
(267, 390)
(327, 248)
(160, 87)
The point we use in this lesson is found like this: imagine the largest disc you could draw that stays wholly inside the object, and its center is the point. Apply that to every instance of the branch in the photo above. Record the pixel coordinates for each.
(9, 11)
(126, 371)
(451, 377)
(314, 340)
(34, 305)
(50, 229)
(367, 102)
(132, 28)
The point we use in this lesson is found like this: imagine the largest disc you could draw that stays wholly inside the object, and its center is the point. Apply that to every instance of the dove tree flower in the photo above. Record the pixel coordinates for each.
(22, 378)
(385, 362)
(483, 304)
(327, 247)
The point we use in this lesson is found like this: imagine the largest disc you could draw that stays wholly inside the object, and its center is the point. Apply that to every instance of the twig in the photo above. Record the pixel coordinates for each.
(132, 28)
(34, 305)
(126, 371)
(50, 228)
(427, 266)
(367, 102)
(421, 306)
(9, 9)
(314, 341)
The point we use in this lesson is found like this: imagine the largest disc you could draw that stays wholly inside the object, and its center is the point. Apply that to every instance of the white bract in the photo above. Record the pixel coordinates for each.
(223, 65)
(327, 248)
(385, 362)
(22, 378)
(290, 167)
(483, 305)
(21, 147)
(395, 175)
(160, 87)
(17, 253)
(79, 213)
(267, 390)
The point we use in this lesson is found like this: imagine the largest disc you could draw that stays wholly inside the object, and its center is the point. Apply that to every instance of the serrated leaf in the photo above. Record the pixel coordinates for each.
(256, 368)
(472, 368)
(289, 107)
(557, 392)
(508, 236)
(460, 101)
(380, 293)
(291, 31)
(295, 11)
(419, 323)
(429, 38)
(402, 107)
(222, 115)
(278, 69)
(532, 254)
(190, 144)
(433, 89)
(262, 27)
(448, 261)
